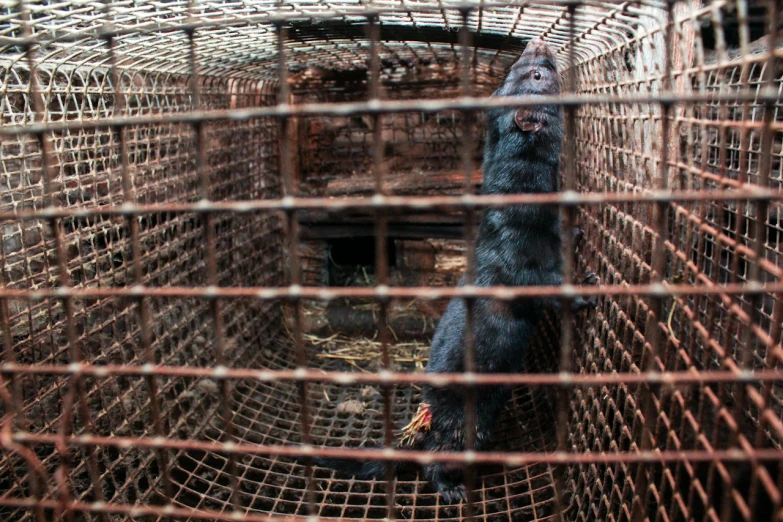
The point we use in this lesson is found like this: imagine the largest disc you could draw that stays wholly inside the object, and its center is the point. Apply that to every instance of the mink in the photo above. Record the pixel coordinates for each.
(515, 246)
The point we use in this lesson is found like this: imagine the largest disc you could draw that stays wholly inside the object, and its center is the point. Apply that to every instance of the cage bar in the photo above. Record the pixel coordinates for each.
(230, 229)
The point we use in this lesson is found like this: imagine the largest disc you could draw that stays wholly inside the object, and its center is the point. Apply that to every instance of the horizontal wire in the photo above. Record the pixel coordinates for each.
(421, 456)
(560, 379)
(170, 511)
(759, 96)
(294, 292)
(379, 202)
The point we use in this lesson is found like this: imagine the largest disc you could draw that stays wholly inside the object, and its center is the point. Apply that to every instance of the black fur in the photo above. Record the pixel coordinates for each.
(516, 246)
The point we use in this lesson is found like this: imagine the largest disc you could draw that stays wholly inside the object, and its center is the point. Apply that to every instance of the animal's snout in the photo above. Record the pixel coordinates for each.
(536, 46)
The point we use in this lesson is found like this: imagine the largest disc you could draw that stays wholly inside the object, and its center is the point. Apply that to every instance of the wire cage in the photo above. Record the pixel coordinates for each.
(229, 229)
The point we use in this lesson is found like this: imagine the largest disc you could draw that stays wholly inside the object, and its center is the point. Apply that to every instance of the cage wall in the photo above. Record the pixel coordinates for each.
(718, 144)
(191, 406)
(94, 167)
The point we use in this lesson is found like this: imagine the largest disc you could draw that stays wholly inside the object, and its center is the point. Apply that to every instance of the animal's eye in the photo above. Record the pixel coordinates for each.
(537, 75)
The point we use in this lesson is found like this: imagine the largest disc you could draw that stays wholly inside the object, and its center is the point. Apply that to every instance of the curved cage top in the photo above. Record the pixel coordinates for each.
(154, 352)
(238, 39)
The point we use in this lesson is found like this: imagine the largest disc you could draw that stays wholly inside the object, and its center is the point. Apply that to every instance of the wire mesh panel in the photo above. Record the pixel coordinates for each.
(229, 230)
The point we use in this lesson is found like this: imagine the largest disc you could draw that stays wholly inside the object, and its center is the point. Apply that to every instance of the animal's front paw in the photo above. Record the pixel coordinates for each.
(591, 279)
(453, 494)
(577, 235)
(582, 303)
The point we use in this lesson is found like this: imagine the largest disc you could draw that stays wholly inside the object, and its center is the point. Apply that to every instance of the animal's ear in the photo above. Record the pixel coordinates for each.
(526, 120)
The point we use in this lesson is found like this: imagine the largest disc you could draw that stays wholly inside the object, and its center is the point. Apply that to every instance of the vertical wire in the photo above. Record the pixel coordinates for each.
(466, 89)
(77, 387)
(202, 173)
(289, 190)
(684, 233)
(129, 196)
(772, 360)
(702, 260)
(658, 265)
(762, 209)
(740, 391)
(14, 398)
(567, 254)
(37, 475)
(694, 393)
(712, 305)
(719, 248)
(669, 394)
(744, 137)
(381, 254)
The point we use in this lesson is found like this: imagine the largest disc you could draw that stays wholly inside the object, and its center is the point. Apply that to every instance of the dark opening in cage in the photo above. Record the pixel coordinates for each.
(229, 230)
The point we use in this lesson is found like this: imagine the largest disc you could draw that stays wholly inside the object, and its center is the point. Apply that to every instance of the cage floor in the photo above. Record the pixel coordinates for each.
(351, 416)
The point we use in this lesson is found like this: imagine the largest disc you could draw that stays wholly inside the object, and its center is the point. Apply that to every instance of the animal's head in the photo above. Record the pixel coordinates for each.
(534, 74)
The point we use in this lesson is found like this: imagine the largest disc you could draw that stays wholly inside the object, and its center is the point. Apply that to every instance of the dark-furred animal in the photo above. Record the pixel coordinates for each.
(516, 246)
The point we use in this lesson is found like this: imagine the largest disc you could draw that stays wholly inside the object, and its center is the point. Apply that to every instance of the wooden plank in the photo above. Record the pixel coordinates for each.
(309, 217)
(395, 230)
(408, 182)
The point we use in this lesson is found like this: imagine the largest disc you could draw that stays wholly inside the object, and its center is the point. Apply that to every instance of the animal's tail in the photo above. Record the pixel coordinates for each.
(365, 470)
(362, 469)
(413, 435)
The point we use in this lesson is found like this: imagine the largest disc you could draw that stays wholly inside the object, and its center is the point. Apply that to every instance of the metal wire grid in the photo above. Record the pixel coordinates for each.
(721, 146)
(162, 160)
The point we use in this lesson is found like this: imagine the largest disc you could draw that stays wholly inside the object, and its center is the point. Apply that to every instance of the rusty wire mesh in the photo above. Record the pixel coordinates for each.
(174, 175)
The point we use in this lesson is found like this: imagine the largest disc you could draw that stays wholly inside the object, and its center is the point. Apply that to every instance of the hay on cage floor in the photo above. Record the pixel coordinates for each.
(356, 350)
(421, 422)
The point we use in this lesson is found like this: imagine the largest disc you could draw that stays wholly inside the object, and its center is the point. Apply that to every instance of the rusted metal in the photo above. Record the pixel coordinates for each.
(443, 379)
(509, 458)
(408, 202)
(381, 230)
(129, 194)
(163, 179)
(390, 107)
(327, 293)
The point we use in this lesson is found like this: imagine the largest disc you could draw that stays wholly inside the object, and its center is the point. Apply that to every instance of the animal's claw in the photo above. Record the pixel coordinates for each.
(577, 235)
(454, 495)
(591, 279)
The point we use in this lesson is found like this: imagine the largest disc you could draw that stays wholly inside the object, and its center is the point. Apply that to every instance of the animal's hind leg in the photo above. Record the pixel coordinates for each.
(448, 478)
